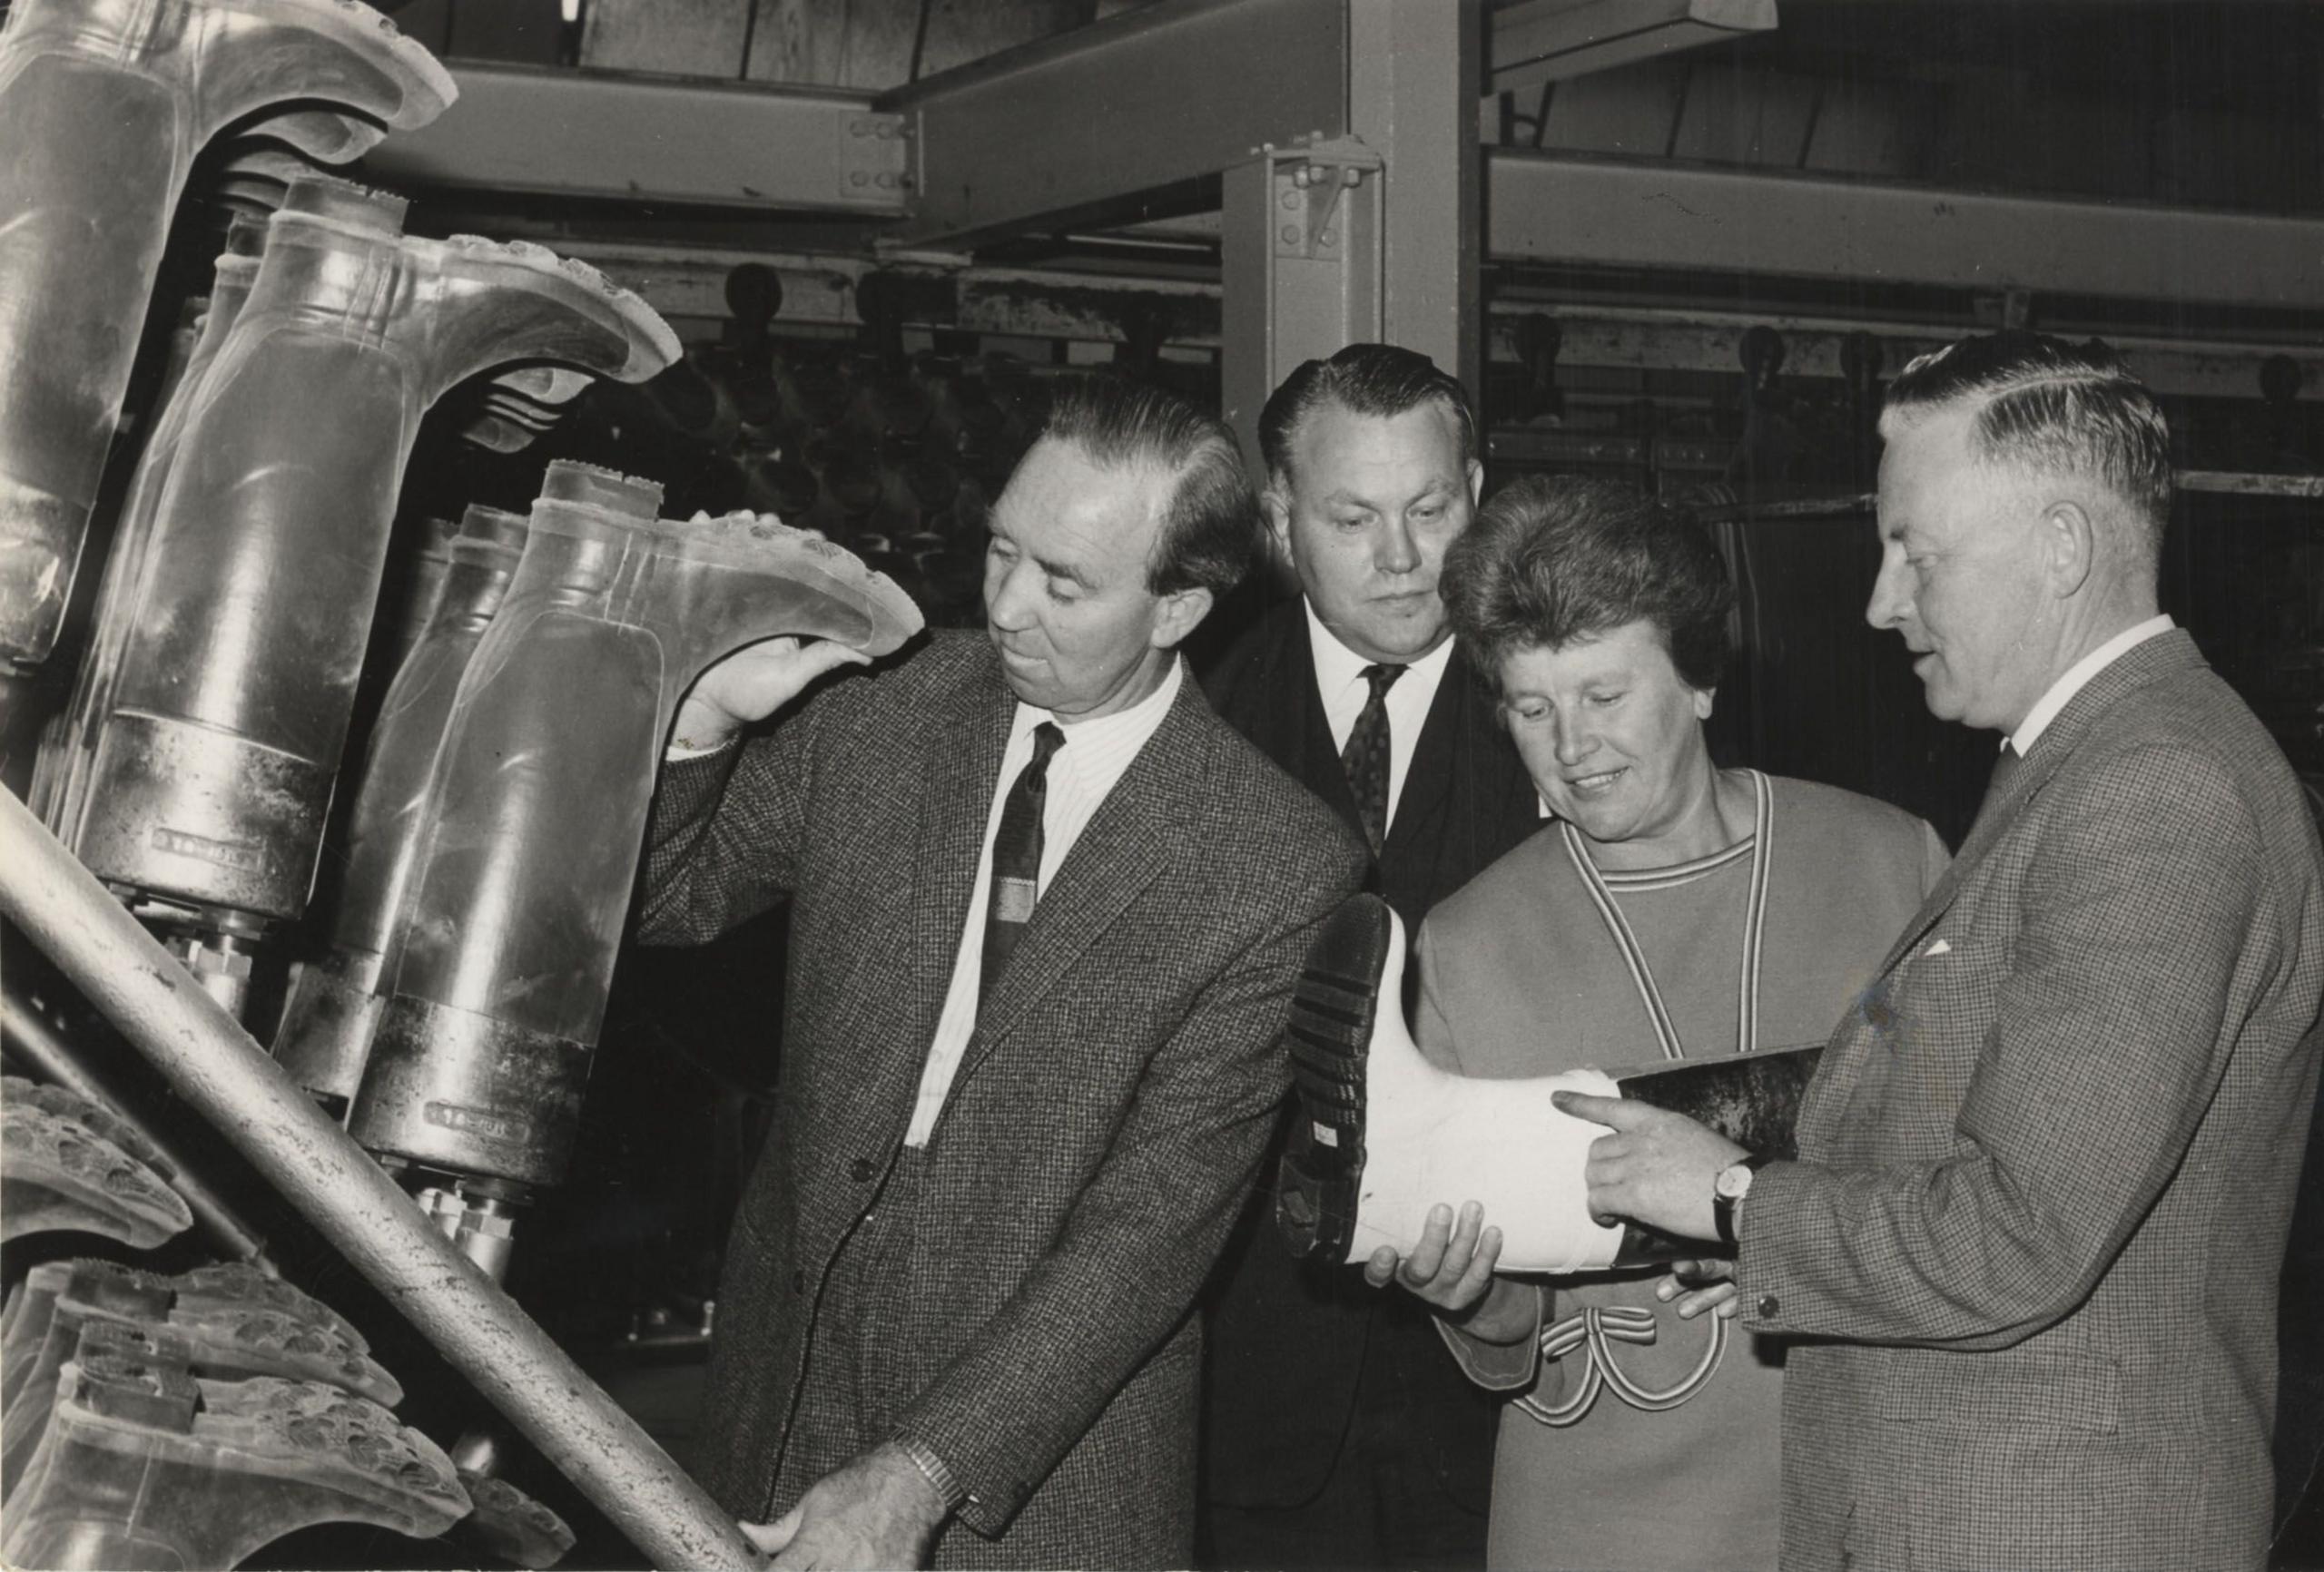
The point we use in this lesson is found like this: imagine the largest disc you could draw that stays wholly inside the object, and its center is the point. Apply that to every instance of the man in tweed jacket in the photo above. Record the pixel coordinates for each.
(2047, 1164)
(955, 1319)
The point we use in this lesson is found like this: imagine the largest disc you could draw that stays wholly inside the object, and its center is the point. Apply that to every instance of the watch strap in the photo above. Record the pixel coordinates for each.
(1723, 1206)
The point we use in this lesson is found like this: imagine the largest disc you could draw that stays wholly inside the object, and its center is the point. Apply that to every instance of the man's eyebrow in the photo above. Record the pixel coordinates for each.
(1064, 571)
(1440, 485)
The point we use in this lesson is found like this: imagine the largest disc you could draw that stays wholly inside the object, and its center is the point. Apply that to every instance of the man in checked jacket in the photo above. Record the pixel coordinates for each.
(2032, 1241)
(1045, 914)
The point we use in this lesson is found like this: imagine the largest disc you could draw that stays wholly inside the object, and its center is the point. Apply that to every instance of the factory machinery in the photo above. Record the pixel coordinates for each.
(426, 1075)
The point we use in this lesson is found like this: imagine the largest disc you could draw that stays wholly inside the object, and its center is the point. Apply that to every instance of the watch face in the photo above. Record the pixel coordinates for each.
(1733, 1181)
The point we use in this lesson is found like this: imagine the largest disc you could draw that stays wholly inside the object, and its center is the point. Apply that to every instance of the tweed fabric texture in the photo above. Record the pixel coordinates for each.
(2048, 1165)
(1102, 1130)
(1297, 1350)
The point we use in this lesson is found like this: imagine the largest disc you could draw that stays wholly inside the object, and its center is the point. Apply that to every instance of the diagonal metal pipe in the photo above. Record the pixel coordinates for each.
(216, 1067)
(51, 1056)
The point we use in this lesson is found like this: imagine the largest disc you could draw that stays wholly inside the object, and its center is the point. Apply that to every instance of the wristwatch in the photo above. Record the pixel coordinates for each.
(1727, 1190)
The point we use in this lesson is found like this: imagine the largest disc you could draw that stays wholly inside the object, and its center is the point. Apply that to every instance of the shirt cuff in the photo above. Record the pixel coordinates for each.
(679, 750)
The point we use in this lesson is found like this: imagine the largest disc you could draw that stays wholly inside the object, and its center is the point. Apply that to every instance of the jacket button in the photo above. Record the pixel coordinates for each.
(860, 1170)
(798, 1282)
(1769, 1305)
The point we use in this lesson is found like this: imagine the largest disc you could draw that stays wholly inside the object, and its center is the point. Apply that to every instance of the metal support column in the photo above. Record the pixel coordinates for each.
(1301, 259)
(1414, 74)
(1377, 235)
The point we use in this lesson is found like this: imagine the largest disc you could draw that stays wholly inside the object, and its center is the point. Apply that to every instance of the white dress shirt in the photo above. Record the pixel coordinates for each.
(1339, 681)
(1082, 773)
(2077, 677)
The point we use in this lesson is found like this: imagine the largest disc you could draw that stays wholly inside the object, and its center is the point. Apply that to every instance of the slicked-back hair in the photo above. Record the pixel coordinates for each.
(1210, 528)
(1554, 559)
(1379, 380)
(2050, 408)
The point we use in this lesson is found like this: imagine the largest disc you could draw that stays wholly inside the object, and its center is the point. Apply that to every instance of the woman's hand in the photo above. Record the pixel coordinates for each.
(1451, 1270)
(1698, 1286)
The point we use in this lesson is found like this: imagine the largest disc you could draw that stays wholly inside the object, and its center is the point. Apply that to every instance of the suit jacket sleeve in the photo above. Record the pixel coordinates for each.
(2137, 914)
(724, 840)
(1140, 1239)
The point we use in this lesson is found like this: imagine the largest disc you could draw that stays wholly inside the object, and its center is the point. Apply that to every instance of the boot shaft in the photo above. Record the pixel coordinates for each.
(325, 1037)
(115, 97)
(503, 953)
(214, 773)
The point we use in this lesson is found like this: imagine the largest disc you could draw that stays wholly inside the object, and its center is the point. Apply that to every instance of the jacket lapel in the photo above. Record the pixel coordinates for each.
(958, 780)
(2161, 656)
(1321, 769)
(1429, 779)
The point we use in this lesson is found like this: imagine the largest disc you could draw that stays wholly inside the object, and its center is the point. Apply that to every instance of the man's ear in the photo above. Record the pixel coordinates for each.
(2069, 542)
(1276, 508)
(1706, 700)
(1181, 612)
(1476, 483)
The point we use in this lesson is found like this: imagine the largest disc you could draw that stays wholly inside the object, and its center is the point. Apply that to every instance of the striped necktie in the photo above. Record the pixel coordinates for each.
(1017, 859)
(1366, 757)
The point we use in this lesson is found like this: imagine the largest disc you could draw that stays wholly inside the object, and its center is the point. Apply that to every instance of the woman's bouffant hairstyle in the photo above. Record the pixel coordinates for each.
(1552, 559)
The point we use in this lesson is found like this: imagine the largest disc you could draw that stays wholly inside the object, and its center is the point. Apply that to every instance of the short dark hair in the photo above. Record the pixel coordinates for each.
(2051, 408)
(1553, 558)
(1210, 524)
(1380, 379)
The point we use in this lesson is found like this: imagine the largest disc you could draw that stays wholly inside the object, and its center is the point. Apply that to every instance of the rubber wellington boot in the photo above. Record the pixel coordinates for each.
(496, 974)
(144, 1466)
(215, 766)
(217, 1289)
(212, 1294)
(66, 763)
(104, 104)
(59, 1172)
(1382, 1136)
(222, 1343)
(508, 1524)
(334, 1004)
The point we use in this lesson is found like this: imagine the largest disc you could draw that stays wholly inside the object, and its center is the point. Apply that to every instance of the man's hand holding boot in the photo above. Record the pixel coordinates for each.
(752, 683)
(880, 1511)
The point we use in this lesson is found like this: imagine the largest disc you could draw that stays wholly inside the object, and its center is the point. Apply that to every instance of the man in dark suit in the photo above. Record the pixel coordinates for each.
(1046, 913)
(1337, 1432)
(2047, 1164)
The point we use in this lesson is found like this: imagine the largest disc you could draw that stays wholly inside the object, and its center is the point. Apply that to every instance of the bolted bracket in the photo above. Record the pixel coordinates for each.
(1303, 255)
(875, 153)
(1308, 183)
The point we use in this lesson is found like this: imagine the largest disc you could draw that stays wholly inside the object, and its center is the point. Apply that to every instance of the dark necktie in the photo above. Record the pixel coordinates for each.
(1366, 757)
(1017, 859)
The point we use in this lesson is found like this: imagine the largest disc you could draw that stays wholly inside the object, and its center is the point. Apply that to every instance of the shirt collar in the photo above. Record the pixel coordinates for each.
(1337, 667)
(2078, 677)
(1140, 720)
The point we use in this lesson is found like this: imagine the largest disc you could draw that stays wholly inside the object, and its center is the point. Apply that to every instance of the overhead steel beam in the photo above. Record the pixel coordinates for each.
(1652, 339)
(1145, 99)
(1634, 214)
(656, 139)
(1553, 40)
